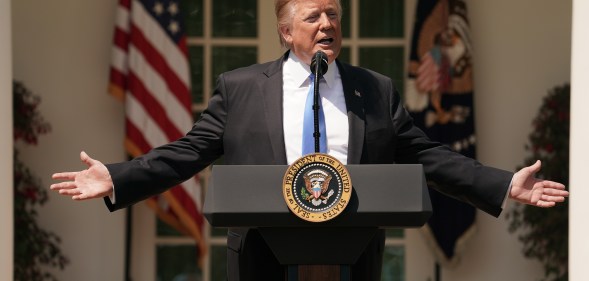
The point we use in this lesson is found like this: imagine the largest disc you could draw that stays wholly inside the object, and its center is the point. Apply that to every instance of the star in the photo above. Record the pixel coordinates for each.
(173, 8)
(158, 8)
(174, 27)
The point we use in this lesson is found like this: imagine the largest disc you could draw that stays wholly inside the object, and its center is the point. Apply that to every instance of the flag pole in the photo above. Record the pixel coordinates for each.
(128, 233)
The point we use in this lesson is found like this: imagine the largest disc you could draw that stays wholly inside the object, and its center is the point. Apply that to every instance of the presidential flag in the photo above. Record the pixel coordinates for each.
(150, 73)
(439, 96)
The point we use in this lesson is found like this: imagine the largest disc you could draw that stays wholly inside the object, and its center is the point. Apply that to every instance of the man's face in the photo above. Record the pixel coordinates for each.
(315, 26)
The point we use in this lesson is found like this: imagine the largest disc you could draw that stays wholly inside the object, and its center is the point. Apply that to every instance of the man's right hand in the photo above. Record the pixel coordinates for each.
(94, 182)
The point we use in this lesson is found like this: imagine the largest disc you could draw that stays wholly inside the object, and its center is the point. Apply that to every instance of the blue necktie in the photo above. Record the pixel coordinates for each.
(308, 125)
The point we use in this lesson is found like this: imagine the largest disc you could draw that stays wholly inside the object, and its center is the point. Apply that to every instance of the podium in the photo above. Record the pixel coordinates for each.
(383, 196)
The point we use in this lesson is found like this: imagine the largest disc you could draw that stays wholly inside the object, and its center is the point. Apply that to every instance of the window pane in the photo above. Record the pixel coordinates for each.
(196, 60)
(229, 58)
(385, 60)
(219, 231)
(164, 229)
(346, 16)
(218, 263)
(193, 17)
(395, 233)
(393, 266)
(177, 263)
(235, 18)
(381, 18)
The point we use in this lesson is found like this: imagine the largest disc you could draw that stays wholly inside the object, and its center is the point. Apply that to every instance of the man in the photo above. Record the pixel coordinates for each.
(255, 116)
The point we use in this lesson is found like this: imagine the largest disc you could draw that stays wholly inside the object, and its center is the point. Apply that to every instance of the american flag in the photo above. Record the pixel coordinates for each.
(150, 72)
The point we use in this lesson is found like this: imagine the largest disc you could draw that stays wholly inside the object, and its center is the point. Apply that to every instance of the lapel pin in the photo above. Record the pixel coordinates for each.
(357, 93)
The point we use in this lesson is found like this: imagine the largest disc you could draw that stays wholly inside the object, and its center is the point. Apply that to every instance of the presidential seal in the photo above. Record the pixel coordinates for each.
(317, 187)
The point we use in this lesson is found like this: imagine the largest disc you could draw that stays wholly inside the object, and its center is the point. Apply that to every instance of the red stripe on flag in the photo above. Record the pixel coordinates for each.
(183, 46)
(188, 203)
(157, 62)
(117, 78)
(136, 136)
(121, 39)
(125, 3)
(153, 108)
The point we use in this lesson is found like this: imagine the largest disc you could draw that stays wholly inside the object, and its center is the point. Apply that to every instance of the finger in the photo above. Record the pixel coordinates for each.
(81, 197)
(549, 198)
(553, 184)
(87, 159)
(555, 192)
(69, 192)
(545, 204)
(64, 176)
(534, 168)
(63, 185)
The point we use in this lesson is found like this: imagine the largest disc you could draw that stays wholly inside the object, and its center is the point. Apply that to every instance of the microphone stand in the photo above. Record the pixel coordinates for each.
(316, 134)
(318, 67)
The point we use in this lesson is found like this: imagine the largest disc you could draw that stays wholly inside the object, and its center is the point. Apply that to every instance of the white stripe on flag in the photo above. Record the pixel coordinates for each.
(122, 19)
(119, 59)
(137, 115)
(154, 83)
(175, 59)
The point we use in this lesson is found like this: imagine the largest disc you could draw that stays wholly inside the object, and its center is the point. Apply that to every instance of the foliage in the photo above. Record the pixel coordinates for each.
(35, 249)
(544, 232)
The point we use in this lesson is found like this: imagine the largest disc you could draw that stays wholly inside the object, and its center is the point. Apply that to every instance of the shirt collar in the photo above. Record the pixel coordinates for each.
(300, 71)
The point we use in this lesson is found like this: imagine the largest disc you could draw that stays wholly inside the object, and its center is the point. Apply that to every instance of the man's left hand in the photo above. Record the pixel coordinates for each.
(527, 189)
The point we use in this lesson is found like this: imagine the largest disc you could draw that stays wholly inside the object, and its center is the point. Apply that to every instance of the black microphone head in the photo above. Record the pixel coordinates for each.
(319, 68)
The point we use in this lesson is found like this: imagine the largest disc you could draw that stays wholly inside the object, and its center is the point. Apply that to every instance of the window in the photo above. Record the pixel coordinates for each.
(226, 34)
(375, 36)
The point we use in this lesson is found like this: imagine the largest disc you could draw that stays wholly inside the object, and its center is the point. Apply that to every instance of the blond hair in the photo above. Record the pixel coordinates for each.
(285, 9)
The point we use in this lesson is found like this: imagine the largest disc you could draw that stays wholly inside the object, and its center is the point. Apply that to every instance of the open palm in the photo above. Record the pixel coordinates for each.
(528, 189)
(94, 182)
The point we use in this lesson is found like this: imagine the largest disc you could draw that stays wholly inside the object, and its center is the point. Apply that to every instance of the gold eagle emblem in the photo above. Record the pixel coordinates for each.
(316, 183)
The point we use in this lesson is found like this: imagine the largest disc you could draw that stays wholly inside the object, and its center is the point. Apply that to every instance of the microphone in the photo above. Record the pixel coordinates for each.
(319, 68)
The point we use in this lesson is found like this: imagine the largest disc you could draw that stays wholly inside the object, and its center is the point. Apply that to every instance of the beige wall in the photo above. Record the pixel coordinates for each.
(579, 209)
(61, 52)
(6, 179)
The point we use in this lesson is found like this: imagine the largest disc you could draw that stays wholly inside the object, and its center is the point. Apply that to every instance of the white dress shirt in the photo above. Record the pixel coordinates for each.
(295, 77)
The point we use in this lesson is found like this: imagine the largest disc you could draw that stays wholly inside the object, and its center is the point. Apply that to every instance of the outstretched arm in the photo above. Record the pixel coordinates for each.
(94, 182)
(529, 190)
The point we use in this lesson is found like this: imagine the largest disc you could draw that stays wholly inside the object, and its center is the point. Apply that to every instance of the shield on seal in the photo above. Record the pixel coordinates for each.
(317, 182)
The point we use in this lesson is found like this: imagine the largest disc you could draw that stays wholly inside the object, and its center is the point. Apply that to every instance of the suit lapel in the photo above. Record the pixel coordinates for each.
(270, 83)
(356, 115)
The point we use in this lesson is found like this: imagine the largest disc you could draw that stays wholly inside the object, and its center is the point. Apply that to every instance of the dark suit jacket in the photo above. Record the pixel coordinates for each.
(243, 122)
